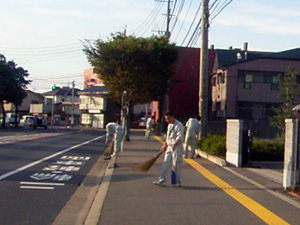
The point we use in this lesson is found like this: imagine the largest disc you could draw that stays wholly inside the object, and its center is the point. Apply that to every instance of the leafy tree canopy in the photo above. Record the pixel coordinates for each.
(12, 83)
(141, 66)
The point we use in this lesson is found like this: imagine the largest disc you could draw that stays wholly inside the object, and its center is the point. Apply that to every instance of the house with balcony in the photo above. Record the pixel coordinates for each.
(245, 83)
(96, 108)
(60, 103)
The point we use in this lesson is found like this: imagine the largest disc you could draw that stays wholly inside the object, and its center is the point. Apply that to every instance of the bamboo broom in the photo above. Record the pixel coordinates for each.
(109, 151)
(145, 166)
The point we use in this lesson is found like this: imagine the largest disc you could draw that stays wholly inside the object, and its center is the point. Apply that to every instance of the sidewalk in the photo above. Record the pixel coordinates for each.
(132, 199)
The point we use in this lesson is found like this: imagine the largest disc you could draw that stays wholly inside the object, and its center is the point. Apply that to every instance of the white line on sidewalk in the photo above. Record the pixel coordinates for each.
(46, 158)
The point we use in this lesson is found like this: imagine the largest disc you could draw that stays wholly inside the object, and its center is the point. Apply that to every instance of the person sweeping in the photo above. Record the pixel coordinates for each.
(114, 132)
(173, 149)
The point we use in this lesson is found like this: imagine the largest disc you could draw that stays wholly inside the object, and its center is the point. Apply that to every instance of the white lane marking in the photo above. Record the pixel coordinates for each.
(37, 187)
(42, 183)
(46, 158)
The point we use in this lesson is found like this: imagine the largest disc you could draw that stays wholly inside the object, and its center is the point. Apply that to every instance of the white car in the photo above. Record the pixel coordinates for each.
(26, 121)
(10, 118)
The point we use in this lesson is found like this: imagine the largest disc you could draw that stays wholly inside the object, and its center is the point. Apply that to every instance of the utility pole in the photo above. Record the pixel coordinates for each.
(168, 34)
(52, 107)
(203, 79)
(124, 121)
(72, 109)
(164, 100)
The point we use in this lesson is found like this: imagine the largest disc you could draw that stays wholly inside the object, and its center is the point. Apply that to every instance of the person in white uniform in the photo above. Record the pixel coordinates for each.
(114, 132)
(173, 149)
(193, 127)
(148, 127)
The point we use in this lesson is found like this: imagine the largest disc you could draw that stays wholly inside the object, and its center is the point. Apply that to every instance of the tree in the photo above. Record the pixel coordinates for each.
(287, 86)
(140, 66)
(12, 84)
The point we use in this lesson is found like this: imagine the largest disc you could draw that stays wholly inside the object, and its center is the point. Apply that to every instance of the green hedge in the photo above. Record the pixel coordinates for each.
(213, 144)
(261, 150)
(267, 151)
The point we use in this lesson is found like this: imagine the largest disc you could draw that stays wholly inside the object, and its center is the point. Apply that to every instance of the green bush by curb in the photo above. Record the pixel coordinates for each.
(261, 150)
(267, 151)
(213, 145)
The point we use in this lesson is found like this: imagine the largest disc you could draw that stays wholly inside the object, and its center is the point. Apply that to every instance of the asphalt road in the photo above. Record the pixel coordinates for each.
(40, 170)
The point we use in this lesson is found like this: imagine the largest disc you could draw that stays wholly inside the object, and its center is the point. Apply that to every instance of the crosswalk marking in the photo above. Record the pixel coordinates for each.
(37, 187)
(42, 183)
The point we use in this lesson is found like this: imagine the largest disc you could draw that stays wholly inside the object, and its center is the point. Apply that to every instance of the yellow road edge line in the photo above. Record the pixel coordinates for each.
(260, 211)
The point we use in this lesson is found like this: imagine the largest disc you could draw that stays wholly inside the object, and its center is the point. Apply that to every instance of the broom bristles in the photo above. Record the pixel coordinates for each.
(110, 148)
(145, 166)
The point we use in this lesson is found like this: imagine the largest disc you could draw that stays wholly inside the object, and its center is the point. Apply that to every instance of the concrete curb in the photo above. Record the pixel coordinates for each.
(214, 159)
(96, 209)
(72, 213)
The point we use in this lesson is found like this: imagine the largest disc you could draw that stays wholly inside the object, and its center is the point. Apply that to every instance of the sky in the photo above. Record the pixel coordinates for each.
(46, 37)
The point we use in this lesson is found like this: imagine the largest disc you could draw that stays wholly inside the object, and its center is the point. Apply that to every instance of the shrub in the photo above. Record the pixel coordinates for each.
(213, 144)
(267, 151)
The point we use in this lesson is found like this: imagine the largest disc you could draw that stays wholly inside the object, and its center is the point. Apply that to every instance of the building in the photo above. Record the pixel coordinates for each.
(183, 94)
(245, 83)
(91, 78)
(31, 98)
(61, 103)
(96, 108)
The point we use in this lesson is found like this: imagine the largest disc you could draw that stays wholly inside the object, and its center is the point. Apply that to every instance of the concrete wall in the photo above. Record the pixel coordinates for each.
(234, 135)
(290, 152)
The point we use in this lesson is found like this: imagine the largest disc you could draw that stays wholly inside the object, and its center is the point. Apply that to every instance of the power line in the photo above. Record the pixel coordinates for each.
(195, 16)
(181, 27)
(225, 4)
(178, 14)
(152, 17)
(147, 19)
(39, 48)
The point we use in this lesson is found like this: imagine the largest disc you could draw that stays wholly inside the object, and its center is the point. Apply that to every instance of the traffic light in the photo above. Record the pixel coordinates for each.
(53, 87)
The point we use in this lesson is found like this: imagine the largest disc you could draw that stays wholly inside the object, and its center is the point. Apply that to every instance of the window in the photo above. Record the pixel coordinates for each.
(248, 81)
(214, 81)
(275, 83)
(223, 78)
(48, 101)
(273, 80)
(86, 118)
(245, 110)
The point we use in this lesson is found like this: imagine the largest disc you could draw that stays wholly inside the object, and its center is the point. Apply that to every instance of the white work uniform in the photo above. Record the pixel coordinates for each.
(114, 132)
(148, 127)
(192, 131)
(173, 158)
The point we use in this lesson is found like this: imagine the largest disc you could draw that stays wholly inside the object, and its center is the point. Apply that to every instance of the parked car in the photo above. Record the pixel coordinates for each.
(26, 121)
(10, 118)
(39, 121)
